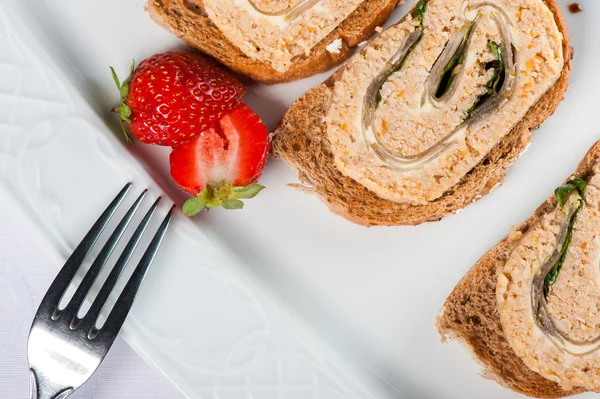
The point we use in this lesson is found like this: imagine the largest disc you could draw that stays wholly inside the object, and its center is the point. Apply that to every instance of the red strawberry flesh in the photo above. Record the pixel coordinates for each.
(251, 156)
(175, 96)
(233, 152)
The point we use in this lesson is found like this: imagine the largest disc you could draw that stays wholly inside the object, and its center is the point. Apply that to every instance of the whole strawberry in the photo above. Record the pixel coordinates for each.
(170, 98)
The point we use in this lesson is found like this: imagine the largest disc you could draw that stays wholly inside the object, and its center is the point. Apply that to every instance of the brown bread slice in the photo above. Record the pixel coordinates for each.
(188, 20)
(302, 142)
(470, 314)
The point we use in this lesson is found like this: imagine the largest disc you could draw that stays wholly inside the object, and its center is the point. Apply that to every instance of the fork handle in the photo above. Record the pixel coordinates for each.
(40, 390)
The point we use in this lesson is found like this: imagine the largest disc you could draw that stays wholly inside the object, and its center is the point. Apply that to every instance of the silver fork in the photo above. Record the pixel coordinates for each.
(64, 350)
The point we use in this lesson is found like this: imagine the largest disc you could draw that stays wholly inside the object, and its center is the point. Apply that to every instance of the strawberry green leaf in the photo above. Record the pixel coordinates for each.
(125, 112)
(247, 192)
(123, 109)
(124, 89)
(115, 78)
(220, 194)
(232, 204)
(211, 195)
(205, 194)
(223, 190)
(193, 206)
(214, 202)
(126, 135)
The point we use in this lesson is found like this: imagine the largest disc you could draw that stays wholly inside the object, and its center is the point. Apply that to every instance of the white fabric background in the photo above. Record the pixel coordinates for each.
(25, 274)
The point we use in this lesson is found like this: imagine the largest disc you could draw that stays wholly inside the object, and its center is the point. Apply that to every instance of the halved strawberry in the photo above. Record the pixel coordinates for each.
(220, 167)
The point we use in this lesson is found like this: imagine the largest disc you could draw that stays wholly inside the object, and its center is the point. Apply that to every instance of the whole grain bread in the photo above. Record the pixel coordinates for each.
(301, 140)
(188, 20)
(470, 314)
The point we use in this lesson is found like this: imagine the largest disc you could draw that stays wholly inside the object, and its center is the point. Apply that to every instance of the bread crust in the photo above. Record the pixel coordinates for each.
(302, 142)
(187, 20)
(470, 314)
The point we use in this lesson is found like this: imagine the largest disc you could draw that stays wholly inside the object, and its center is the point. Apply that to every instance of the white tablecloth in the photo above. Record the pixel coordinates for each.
(25, 274)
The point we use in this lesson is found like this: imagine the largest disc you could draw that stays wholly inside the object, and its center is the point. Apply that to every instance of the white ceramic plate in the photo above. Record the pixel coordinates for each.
(283, 299)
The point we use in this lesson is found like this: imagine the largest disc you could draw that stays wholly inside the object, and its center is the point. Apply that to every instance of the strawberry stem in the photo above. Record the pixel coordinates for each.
(123, 109)
(220, 195)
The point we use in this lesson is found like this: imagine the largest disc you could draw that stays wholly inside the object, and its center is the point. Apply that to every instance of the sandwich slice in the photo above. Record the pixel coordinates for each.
(530, 307)
(430, 114)
(273, 41)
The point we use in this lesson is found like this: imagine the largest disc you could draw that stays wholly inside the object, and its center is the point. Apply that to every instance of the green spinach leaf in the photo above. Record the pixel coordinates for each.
(561, 194)
(417, 13)
(553, 273)
(496, 81)
(449, 72)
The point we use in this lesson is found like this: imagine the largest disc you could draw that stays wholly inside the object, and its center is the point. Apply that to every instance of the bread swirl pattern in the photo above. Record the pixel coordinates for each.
(427, 101)
(363, 140)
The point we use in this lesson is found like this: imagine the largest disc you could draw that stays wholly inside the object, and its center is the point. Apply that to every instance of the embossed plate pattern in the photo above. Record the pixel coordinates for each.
(283, 299)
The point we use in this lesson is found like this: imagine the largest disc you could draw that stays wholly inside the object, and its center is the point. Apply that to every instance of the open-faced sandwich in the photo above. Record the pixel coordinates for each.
(430, 114)
(529, 308)
(273, 41)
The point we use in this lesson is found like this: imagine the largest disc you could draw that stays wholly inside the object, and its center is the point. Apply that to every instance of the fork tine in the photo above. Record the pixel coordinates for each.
(88, 321)
(65, 275)
(88, 280)
(117, 316)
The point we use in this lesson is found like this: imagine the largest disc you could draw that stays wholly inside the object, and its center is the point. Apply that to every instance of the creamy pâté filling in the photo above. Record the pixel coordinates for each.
(290, 9)
(428, 99)
(279, 33)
